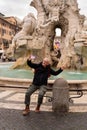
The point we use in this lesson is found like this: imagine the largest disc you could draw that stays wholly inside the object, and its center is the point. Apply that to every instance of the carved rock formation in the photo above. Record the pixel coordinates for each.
(37, 36)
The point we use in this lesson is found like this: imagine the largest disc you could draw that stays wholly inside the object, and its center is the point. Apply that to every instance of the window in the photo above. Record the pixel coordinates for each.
(10, 33)
(3, 31)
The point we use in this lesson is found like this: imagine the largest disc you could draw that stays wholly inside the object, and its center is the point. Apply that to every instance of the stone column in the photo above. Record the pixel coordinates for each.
(60, 96)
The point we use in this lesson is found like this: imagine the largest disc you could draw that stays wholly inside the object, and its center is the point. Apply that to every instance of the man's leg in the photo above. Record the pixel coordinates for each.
(32, 88)
(41, 94)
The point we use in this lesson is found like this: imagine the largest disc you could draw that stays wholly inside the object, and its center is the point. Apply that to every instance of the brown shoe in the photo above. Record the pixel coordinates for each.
(37, 110)
(26, 111)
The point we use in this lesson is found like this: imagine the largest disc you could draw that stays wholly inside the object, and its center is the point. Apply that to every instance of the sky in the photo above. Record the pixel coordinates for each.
(20, 8)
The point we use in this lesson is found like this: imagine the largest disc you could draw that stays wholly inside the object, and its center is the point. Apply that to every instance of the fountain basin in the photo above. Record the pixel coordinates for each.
(5, 71)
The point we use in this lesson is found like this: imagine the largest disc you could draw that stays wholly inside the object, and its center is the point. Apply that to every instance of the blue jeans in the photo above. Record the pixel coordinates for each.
(32, 88)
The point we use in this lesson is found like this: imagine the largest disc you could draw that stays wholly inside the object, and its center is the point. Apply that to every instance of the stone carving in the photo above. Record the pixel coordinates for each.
(37, 36)
(80, 45)
(20, 39)
(52, 9)
(28, 27)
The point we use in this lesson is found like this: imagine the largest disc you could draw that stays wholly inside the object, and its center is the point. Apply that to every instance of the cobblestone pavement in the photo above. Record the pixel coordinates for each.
(12, 104)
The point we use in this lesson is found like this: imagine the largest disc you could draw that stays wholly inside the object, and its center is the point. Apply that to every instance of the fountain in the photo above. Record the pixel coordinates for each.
(37, 35)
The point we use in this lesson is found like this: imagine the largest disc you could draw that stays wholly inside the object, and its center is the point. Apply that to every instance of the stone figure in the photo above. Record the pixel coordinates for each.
(29, 24)
(52, 9)
(28, 27)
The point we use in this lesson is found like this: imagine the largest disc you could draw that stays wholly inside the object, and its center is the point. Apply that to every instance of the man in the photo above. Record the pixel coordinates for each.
(41, 75)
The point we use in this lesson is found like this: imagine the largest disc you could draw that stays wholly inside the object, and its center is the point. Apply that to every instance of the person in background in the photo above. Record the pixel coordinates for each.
(3, 57)
(42, 72)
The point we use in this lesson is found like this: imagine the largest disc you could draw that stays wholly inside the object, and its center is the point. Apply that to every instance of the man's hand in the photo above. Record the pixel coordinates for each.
(31, 57)
(63, 67)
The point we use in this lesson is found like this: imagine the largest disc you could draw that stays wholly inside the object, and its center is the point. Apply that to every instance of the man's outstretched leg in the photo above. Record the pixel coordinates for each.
(28, 94)
(26, 110)
(41, 94)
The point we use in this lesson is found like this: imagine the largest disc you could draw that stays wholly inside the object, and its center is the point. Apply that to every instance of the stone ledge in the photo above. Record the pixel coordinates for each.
(24, 83)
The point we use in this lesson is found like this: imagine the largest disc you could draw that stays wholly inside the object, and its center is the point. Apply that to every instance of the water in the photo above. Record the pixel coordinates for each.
(5, 71)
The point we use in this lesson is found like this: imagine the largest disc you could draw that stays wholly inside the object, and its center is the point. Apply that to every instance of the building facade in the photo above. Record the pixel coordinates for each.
(8, 28)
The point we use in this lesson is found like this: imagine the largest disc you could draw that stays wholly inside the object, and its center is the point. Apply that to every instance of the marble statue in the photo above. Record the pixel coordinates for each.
(28, 27)
(37, 35)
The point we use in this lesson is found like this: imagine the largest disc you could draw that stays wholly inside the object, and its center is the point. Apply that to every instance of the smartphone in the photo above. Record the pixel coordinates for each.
(32, 57)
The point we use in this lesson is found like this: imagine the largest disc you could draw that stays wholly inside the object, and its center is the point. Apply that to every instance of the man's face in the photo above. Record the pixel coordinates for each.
(45, 62)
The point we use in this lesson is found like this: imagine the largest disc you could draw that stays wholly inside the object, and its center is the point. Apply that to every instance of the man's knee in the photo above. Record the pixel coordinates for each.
(42, 90)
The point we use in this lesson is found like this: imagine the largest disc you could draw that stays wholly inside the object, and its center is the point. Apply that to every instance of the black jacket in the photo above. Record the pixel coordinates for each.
(42, 73)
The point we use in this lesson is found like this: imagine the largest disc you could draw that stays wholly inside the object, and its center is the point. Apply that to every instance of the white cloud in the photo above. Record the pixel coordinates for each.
(18, 8)
(83, 6)
(21, 8)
